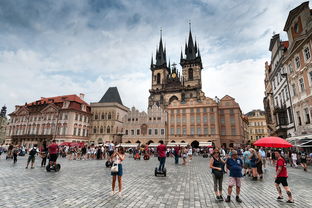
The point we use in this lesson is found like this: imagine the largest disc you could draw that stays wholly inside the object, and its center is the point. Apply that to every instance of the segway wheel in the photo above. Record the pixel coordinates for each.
(155, 171)
(165, 172)
(57, 167)
(48, 168)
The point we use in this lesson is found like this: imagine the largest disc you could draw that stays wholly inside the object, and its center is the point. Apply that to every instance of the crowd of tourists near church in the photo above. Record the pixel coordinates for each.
(236, 163)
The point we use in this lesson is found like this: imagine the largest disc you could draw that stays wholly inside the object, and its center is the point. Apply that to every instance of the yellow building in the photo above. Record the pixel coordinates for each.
(257, 127)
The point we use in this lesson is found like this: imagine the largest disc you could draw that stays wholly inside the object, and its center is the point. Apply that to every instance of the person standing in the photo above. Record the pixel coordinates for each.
(117, 157)
(15, 153)
(161, 150)
(44, 154)
(32, 156)
(177, 150)
(259, 164)
(263, 156)
(294, 159)
(190, 153)
(234, 165)
(281, 177)
(303, 160)
(217, 167)
(253, 158)
(246, 155)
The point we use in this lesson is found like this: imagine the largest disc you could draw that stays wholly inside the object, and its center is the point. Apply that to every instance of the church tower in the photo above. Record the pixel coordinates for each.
(191, 65)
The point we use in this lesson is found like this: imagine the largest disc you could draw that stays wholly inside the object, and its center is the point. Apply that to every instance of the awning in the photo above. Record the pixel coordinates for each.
(177, 144)
(205, 144)
(128, 145)
(301, 141)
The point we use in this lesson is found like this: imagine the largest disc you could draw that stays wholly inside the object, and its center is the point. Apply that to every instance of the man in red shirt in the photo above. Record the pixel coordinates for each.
(281, 177)
(161, 150)
(53, 152)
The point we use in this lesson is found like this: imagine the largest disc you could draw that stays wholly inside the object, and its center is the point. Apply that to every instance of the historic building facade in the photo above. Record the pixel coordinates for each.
(145, 127)
(107, 118)
(257, 127)
(193, 117)
(63, 118)
(292, 70)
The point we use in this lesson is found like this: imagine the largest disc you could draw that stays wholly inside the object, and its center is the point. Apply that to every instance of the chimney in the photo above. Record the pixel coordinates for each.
(81, 95)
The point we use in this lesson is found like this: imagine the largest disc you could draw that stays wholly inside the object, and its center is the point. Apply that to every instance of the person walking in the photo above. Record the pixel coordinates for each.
(263, 156)
(234, 165)
(117, 157)
(303, 160)
(259, 164)
(253, 158)
(294, 159)
(246, 155)
(32, 156)
(161, 150)
(177, 150)
(281, 177)
(217, 167)
(15, 153)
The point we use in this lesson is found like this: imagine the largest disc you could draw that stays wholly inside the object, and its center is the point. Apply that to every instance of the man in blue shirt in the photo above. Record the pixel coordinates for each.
(234, 165)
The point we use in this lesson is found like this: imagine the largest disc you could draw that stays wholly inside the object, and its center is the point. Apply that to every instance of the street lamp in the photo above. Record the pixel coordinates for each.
(285, 75)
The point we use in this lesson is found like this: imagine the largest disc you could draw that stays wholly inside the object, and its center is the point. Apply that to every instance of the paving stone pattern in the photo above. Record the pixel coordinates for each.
(88, 184)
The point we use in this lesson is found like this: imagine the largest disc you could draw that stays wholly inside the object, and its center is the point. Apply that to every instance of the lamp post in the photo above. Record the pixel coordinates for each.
(285, 75)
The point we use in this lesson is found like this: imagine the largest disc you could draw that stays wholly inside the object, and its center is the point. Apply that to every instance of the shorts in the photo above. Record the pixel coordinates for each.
(119, 173)
(281, 180)
(246, 165)
(235, 181)
(303, 161)
(53, 157)
(31, 158)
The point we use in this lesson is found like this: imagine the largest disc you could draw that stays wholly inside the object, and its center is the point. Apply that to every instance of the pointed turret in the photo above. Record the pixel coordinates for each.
(152, 62)
(161, 54)
(191, 50)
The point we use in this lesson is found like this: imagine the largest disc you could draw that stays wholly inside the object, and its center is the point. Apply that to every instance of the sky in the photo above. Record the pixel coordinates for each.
(60, 47)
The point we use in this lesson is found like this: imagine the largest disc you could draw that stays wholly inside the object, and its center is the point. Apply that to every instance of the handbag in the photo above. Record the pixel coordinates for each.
(114, 168)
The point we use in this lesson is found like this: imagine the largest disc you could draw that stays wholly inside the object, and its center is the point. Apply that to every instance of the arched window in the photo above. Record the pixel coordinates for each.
(95, 116)
(108, 129)
(102, 117)
(158, 78)
(94, 130)
(190, 74)
(109, 116)
(101, 130)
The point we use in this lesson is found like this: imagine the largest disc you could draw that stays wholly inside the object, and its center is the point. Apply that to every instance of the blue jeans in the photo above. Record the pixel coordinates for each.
(176, 158)
(162, 161)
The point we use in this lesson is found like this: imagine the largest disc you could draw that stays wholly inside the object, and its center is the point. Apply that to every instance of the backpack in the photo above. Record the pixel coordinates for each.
(33, 152)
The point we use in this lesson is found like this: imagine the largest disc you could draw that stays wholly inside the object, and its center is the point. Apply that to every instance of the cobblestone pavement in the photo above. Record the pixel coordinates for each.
(88, 184)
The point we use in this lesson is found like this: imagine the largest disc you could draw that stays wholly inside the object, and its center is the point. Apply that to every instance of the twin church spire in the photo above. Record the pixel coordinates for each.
(192, 54)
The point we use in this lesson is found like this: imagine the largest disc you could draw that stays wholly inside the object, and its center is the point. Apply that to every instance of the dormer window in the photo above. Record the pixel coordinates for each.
(307, 54)
(296, 27)
(66, 104)
(83, 107)
(297, 61)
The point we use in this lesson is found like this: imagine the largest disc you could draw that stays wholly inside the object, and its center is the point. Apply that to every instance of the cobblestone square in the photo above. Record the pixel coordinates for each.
(88, 184)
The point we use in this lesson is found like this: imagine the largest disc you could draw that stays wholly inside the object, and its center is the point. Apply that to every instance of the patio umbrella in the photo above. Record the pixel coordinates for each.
(275, 142)
(65, 144)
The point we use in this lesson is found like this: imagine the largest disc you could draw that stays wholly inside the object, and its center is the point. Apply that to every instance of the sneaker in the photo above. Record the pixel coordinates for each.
(119, 194)
(289, 201)
(221, 198)
(112, 193)
(228, 199)
(279, 198)
(238, 199)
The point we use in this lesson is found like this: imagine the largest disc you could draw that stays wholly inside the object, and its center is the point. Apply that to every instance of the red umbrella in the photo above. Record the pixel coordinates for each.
(74, 144)
(65, 144)
(275, 142)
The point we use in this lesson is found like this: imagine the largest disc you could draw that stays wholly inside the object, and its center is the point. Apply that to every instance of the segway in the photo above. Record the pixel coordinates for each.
(56, 167)
(108, 164)
(137, 156)
(160, 173)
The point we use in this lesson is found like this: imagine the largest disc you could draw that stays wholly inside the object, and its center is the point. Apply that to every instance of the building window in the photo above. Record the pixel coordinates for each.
(132, 132)
(232, 119)
(178, 131)
(178, 120)
(190, 74)
(211, 110)
(184, 131)
(301, 83)
(192, 119)
(205, 110)
(297, 61)
(149, 131)
(212, 130)
(286, 93)
(76, 116)
(183, 111)
(198, 119)
(108, 129)
(162, 131)
(223, 131)
(293, 86)
(205, 119)
(75, 131)
(222, 120)
(126, 132)
(95, 117)
(192, 131)
(306, 111)
(299, 118)
(172, 131)
(109, 116)
(184, 119)
(233, 130)
(192, 110)
(197, 110)
(290, 68)
(212, 119)
(79, 130)
(273, 83)
(138, 132)
(156, 131)
(101, 130)
(307, 54)
(198, 131)
(205, 131)
(158, 78)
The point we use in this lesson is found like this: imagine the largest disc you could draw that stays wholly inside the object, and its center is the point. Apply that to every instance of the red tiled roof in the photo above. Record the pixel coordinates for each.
(59, 99)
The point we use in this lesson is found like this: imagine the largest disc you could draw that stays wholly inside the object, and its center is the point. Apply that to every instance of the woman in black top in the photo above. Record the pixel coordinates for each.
(217, 167)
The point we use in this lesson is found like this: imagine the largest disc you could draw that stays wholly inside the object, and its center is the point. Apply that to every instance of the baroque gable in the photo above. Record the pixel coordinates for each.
(51, 108)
